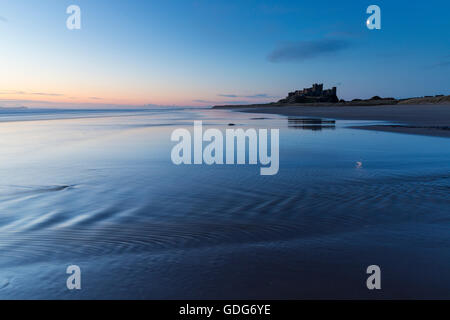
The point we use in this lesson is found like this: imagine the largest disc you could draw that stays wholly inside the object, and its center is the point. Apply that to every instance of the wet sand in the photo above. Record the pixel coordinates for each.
(432, 120)
(103, 194)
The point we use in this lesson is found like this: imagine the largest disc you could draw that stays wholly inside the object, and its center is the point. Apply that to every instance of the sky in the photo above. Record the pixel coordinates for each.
(205, 52)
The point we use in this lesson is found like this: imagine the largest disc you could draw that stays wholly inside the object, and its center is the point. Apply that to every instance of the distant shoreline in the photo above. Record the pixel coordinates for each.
(435, 100)
(422, 119)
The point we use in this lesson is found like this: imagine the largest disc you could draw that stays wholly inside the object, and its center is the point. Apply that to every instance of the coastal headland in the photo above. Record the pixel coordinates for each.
(422, 115)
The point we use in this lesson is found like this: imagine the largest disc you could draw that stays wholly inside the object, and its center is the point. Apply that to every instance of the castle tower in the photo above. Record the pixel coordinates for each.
(317, 89)
(320, 89)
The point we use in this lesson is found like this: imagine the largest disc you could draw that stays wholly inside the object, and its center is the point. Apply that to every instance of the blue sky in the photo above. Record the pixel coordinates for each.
(133, 53)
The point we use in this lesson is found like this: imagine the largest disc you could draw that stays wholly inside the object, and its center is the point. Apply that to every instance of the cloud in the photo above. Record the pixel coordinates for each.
(444, 63)
(15, 102)
(211, 102)
(259, 95)
(243, 99)
(254, 96)
(202, 101)
(304, 50)
(3, 19)
(169, 106)
(17, 92)
(228, 95)
(12, 92)
(43, 94)
(46, 94)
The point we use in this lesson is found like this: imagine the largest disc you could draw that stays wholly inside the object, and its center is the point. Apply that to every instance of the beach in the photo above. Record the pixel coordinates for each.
(430, 120)
(99, 190)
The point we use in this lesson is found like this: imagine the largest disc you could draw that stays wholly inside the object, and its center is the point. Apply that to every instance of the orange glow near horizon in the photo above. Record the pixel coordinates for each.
(36, 96)
(33, 97)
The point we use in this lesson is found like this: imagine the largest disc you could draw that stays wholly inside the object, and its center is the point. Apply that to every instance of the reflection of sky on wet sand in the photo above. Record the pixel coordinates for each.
(102, 193)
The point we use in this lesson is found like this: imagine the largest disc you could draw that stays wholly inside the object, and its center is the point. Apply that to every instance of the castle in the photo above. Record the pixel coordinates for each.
(312, 95)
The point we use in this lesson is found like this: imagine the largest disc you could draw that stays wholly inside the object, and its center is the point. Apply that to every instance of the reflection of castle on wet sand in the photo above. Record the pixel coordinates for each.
(314, 124)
